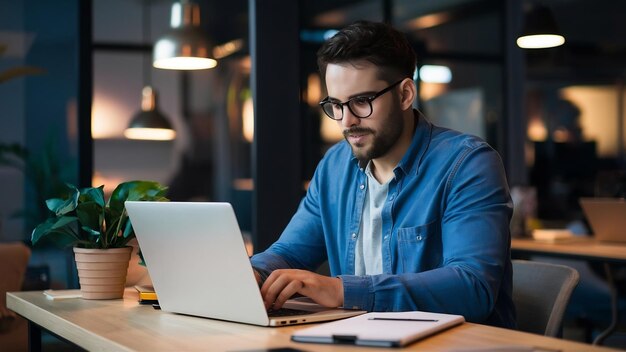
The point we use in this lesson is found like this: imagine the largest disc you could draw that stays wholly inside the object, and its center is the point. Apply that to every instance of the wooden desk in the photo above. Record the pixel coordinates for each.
(124, 325)
(581, 249)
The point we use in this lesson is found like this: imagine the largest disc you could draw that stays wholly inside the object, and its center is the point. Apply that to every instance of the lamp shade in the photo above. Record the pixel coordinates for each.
(185, 47)
(540, 30)
(149, 123)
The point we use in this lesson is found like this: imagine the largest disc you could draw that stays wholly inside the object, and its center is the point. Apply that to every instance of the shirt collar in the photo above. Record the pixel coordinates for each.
(419, 145)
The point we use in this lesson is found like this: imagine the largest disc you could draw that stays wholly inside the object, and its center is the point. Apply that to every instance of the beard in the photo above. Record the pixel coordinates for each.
(382, 140)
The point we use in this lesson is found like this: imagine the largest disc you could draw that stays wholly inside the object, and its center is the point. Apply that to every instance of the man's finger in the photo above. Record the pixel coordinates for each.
(272, 289)
(292, 288)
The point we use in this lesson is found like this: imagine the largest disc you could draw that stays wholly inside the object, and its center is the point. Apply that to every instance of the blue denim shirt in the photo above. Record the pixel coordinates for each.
(446, 240)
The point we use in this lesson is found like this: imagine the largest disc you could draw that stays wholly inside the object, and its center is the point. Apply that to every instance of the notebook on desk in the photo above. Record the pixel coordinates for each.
(607, 218)
(199, 266)
(395, 329)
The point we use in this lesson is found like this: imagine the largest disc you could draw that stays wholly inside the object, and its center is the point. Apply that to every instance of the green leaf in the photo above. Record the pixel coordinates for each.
(147, 191)
(142, 261)
(91, 231)
(41, 230)
(135, 190)
(93, 194)
(54, 204)
(63, 222)
(85, 219)
(60, 239)
(55, 231)
(90, 215)
(128, 229)
(62, 206)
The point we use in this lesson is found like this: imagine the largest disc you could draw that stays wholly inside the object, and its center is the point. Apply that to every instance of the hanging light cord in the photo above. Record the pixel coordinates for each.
(145, 34)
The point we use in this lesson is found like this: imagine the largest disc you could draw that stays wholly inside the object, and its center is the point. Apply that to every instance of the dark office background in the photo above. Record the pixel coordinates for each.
(555, 115)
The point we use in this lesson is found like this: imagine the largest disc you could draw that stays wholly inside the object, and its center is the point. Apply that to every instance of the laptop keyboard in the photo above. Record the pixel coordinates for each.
(286, 312)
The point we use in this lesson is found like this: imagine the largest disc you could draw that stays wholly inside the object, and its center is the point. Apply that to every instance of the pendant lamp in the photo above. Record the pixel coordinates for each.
(185, 47)
(149, 123)
(540, 29)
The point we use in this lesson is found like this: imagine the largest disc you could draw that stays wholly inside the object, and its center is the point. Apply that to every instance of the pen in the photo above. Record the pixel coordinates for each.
(404, 319)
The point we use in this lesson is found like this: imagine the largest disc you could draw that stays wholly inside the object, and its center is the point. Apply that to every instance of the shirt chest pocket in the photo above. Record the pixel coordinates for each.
(419, 248)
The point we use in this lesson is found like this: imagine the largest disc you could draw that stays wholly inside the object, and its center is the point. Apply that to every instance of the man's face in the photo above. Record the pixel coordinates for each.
(374, 136)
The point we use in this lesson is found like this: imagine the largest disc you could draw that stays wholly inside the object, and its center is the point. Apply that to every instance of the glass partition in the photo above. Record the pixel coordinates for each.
(38, 138)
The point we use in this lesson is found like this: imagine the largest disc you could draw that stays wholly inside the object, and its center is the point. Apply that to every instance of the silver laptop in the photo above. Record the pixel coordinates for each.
(607, 217)
(199, 266)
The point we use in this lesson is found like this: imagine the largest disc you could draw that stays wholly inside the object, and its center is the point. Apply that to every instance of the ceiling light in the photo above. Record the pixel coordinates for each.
(149, 123)
(540, 30)
(185, 47)
(435, 74)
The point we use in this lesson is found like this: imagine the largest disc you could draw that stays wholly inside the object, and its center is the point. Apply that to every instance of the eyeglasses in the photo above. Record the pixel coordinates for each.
(360, 106)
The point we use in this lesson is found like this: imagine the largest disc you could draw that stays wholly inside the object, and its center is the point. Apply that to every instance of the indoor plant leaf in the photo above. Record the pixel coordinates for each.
(91, 231)
(63, 222)
(135, 190)
(94, 194)
(42, 229)
(61, 206)
(84, 218)
(55, 230)
(128, 230)
(132, 190)
(90, 209)
(61, 239)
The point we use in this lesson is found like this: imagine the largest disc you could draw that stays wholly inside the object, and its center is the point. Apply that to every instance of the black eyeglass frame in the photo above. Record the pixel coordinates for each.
(369, 100)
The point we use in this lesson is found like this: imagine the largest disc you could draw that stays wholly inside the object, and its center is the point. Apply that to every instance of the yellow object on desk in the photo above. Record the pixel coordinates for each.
(146, 293)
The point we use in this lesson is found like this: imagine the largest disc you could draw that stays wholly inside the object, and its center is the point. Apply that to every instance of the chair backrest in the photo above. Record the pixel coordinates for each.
(541, 292)
(13, 262)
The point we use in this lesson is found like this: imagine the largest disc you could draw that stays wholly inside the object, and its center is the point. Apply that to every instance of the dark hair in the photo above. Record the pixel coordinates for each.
(378, 43)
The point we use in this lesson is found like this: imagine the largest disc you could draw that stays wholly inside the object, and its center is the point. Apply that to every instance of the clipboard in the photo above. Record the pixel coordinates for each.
(394, 329)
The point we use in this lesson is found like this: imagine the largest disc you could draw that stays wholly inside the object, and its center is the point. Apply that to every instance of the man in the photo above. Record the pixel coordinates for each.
(410, 216)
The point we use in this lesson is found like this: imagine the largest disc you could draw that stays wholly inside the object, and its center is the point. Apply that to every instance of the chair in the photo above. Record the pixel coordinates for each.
(13, 329)
(541, 292)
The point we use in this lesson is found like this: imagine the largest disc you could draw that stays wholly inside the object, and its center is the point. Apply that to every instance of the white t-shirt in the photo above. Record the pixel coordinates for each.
(368, 258)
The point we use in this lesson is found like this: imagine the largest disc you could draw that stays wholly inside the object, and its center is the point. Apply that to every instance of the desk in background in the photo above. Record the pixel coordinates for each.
(124, 325)
(577, 248)
(581, 249)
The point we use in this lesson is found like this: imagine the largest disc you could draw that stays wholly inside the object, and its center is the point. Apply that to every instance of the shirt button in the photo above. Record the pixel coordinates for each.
(353, 235)
(419, 238)
(362, 186)
(391, 197)
(386, 237)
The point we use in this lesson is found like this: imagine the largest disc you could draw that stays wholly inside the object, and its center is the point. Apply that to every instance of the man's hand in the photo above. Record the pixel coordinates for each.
(284, 283)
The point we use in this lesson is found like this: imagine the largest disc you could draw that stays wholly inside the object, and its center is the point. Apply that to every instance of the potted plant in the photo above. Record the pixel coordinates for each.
(99, 231)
